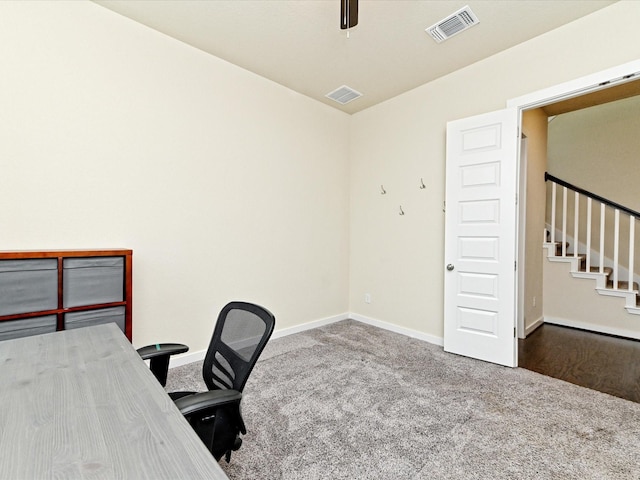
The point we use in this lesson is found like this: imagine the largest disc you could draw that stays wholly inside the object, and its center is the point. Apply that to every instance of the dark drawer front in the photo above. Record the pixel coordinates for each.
(89, 281)
(95, 317)
(27, 327)
(29, 285)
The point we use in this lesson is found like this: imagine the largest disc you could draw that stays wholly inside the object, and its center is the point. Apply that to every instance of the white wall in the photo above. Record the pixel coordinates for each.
(399, 260)
(597, 148)
(229, 186)
(534, 126)
(574, 302)
(225, 185)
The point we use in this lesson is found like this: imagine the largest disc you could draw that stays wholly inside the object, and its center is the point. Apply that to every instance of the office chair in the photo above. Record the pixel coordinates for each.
(241, 333)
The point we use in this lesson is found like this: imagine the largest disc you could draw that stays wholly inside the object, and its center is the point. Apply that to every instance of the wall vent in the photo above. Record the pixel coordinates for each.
(343, 95)
(453, 24)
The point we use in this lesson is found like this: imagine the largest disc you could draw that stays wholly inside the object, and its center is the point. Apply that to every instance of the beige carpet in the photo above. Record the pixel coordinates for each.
(350, 401)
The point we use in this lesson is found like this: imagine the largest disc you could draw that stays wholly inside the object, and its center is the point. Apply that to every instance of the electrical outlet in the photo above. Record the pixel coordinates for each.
(534, 301)
(367, 298)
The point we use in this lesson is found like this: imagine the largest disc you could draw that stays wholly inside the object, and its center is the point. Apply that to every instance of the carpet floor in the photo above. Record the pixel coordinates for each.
(351, 401)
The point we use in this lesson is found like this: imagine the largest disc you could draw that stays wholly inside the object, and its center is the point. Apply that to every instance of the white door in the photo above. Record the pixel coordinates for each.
(480, 237)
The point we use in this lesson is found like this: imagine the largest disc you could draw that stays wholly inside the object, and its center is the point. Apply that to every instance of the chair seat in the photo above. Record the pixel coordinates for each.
(176, 395)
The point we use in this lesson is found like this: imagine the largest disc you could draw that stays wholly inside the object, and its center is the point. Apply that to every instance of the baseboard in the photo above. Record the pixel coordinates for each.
(186, 358)
(533, 326)
(620, 332)
(396, 329)
(310, 325)
(191, 357)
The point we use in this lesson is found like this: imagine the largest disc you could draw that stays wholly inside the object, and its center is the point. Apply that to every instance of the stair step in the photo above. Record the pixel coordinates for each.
(581, 258)
(559, 249)
(622, 285)
(606, 270)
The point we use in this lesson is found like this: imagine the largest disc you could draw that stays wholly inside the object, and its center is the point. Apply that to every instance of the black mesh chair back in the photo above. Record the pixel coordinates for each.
(241, 333)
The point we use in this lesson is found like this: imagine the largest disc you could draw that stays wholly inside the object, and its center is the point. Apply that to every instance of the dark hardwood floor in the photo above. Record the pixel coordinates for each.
(601, 362)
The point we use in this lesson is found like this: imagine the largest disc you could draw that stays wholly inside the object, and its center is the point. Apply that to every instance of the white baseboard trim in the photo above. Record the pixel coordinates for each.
(620, 332)
(310, 325)
(186, 358)
(533, 326)
(397, 329)
(191, 357)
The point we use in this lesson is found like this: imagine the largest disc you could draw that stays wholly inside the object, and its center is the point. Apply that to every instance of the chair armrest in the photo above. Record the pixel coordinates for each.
(161, 349)
(159, 354)
(207, 401)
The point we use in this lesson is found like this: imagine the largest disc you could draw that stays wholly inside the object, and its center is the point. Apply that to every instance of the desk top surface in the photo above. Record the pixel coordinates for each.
(82, 404)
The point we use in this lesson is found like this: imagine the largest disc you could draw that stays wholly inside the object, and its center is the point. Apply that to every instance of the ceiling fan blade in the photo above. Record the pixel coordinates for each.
(348, 14)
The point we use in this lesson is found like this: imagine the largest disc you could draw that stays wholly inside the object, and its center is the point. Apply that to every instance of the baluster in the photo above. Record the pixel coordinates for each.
(601, 237)
(553, 212)
(588, 268)
(616, 246)
(576, 214)
(632, 233)
(564, 221)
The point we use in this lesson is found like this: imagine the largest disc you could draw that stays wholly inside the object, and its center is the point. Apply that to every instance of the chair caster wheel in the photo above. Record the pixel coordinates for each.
(237, 444)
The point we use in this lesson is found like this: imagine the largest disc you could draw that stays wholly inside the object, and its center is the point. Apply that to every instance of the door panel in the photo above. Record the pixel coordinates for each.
(480, 237)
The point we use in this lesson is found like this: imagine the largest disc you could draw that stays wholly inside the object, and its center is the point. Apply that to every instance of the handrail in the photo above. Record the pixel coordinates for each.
(548, 176)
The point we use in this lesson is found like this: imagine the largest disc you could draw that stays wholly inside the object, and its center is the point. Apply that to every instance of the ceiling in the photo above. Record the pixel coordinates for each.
(299, 44)
(605, 95)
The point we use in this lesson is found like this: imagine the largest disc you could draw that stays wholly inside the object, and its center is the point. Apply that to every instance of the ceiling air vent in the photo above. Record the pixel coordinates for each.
(453, 24)
(343, 95)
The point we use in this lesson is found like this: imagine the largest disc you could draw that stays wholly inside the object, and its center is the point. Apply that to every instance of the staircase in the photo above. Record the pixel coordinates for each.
(602, 253)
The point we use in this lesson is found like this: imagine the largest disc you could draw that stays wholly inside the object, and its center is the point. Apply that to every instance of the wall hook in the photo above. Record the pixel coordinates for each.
(401, 211)
(422, 185)
(382, 190)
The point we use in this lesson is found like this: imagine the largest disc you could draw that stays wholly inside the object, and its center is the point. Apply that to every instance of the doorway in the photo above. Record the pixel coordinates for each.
(600, 129)
(604, 87)
(497, 325)
(603, 362)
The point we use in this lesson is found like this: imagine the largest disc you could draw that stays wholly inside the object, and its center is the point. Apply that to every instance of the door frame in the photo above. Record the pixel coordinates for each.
(601, 80)
(521, 188)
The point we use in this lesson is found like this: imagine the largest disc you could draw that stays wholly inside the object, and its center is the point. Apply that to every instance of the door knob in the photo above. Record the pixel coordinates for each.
(450, 267)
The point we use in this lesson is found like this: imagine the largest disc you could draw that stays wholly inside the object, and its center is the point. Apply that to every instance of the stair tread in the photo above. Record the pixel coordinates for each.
(606, 270)
(559, 248)
(581, 258)
(622, 285)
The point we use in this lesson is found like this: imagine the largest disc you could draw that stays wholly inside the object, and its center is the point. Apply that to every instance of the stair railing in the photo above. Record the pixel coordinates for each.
(603, 203)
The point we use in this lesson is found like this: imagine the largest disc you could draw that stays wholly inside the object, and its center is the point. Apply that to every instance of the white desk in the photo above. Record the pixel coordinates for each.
(82, 404)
